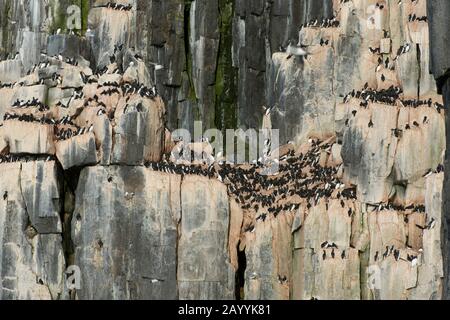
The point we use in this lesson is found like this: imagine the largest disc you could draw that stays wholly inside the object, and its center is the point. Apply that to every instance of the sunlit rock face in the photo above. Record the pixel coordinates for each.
(353, 213)
(204, 270)
(133, 253)
(31, 254)
(440, 64)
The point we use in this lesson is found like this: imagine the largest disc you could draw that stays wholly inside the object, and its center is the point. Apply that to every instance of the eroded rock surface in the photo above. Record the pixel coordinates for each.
(353, 213)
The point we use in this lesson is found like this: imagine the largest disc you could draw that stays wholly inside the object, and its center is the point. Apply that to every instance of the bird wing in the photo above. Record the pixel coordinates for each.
(296, 51)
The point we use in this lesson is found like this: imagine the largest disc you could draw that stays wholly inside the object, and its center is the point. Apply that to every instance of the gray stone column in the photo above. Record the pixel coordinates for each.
(438, 13)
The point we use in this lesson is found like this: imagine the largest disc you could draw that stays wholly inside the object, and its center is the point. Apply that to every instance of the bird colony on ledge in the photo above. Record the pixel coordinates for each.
(353, 212)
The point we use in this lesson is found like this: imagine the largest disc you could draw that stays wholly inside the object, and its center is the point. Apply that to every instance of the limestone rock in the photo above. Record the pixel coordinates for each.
(124, 230)
(77, 152)
(10, 71)
(41, 193)
(32, 138)
(138, 135)
(368, 152)
(32, 264)
(204, 269)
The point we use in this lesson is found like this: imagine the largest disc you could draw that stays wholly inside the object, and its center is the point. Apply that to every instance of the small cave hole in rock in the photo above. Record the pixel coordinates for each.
(240, 274)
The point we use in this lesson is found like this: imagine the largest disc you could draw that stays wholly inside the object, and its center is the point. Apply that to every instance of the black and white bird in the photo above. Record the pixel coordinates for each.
(293, 50)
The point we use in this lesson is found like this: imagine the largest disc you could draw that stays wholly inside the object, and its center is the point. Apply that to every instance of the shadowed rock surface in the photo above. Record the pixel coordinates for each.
(440, 67)
(357, 209)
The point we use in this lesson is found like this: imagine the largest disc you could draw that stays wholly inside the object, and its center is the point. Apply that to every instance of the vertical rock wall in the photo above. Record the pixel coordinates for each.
(440, 67)
(216, 53)
(136, 232)
(32, 260)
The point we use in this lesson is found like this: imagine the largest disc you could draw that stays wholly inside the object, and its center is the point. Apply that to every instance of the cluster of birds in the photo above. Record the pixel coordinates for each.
(282, 279)
(117, 6)
(183, 170)
(386, 96)
(399, 208)
(326, 245)
(430, 225)
(379, 6)
(33, 103)
(301, 180)
(6, 85)
(324, 42)
(69, 129)
(72, 61)
(13, 56)
(440, 168)
(65, 134)
(387, 65)
(414, 103)
(11, 158)
(40, 65)
(392, 251)
(325, 23)
(29, 118)
(403, 49)
(140, 89)
(389, 97)
(413, 17)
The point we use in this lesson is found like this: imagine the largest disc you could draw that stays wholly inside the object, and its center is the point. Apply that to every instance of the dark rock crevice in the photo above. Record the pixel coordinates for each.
(240, 274)
(419, 66)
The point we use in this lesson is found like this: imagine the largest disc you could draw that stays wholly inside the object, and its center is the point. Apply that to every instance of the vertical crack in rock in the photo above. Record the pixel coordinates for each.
(70, 183)
(124, 235)
(22, 195)
(225, 73)
(240, 274)
(177, 244)
(419, 64)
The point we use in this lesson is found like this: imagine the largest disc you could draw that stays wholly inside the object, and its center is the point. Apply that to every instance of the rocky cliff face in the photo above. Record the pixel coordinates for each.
(354, 212)
(440, 66)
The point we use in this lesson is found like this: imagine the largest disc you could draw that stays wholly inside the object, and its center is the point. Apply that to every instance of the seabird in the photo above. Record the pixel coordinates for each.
(156, 280)
(293, 50)
(428, 173)
(431, 224)
(268, 110)
(396, 254)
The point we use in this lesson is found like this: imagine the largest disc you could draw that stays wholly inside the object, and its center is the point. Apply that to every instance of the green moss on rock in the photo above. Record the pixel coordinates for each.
(226, 75)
